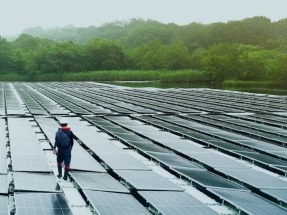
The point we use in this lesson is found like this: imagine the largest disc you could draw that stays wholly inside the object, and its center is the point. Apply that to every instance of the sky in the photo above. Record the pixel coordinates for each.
(17, 15)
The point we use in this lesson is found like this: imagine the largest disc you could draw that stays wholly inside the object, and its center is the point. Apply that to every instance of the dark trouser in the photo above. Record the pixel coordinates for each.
(64, 155)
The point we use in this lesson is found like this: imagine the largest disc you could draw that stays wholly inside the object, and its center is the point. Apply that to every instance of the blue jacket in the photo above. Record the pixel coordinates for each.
(64, 138)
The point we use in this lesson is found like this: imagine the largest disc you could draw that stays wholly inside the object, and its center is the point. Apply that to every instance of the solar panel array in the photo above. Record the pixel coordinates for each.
(129, 139)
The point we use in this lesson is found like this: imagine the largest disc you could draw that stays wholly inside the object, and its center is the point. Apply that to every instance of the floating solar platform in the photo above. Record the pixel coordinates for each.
(147, 180)
(35, 182)
(162, 135)
(98, 181)
(107, 203)
(171, 203)
(41, 203)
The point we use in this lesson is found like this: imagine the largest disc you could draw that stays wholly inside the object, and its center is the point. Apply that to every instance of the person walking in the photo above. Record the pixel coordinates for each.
(64, 142)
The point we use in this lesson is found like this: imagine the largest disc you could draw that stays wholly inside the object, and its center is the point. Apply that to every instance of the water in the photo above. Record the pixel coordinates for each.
(141, 84)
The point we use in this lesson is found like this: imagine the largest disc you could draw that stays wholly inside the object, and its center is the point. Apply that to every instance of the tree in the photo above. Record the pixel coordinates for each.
(104, 55)
(5, 55)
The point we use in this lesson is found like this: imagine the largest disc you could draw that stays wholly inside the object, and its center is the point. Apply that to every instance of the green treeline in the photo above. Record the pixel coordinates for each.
(253, 49)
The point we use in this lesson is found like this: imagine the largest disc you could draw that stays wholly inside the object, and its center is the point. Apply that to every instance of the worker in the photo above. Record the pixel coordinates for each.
(64, 141)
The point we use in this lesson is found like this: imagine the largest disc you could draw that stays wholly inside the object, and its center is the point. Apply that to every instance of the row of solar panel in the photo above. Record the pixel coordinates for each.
(220, 164)
(253, 129)
(192, 102)
(128, 169)
(187, 126)
(109, 101)
(112, 95)
(26, 203)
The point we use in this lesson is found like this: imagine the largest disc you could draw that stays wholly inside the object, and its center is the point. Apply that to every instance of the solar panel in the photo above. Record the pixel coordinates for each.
(171, 203)
(173, 160)
(227, 146)
(82, 160)
(280, 153)
(3, 184)
(279, 194)
(258, 144)
(98, 181)
(129, 137)
(122, 161)
(208, 179)
(4, 205)
(255, 178)
(147, 180)
(248, 202)
(264, 158)
(41, 203)
(35, 182)
(107, 203)
(215, 160)
(148, 147)
(30, 163)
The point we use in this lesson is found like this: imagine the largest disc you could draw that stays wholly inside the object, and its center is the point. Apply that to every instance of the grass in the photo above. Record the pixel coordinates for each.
(253, 84)
(184, 76)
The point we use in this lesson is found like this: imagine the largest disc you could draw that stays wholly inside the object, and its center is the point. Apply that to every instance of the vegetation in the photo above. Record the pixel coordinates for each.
(253, 49)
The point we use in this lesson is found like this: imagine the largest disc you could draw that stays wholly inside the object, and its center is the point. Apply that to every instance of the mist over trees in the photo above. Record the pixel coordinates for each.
(250, 49)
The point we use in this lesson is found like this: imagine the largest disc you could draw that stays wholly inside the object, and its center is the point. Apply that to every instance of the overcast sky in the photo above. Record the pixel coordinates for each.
(17, 15)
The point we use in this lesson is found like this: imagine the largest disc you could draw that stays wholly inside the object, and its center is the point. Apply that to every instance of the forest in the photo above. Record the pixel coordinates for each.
(252, 49)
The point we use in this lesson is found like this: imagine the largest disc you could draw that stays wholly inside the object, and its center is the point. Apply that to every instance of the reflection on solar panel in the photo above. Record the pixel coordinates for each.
(41, 203)
(3, 184)
(35, 182)
(164, 135)
(107, 203)
(249, 202)
(147, 180)
(207, 179)
(3, 205)
(171, 203)
(98, 181)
